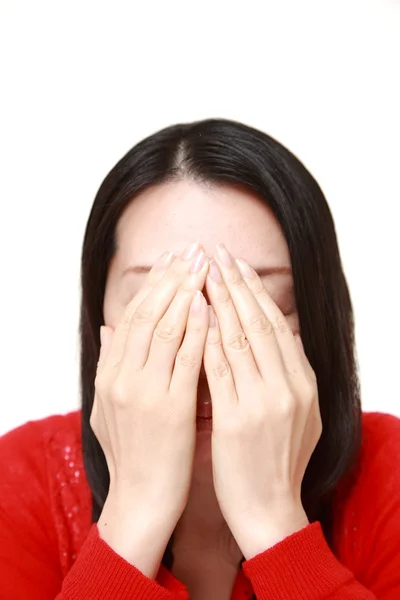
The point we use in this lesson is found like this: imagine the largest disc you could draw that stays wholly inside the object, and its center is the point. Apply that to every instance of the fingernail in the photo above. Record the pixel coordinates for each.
(214, 272)
(246, 270)
(165, 260)
(190, 250)
(224, 255)
(198, 302)
(212, 321)
(198, 263)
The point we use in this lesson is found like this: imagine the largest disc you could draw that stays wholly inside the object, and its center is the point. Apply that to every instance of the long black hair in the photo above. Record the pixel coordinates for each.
(221, 151)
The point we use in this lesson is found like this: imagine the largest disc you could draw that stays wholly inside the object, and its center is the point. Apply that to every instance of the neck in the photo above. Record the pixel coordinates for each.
(202, 529)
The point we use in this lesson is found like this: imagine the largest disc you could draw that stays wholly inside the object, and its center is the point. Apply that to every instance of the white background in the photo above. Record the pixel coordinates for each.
(82, 82)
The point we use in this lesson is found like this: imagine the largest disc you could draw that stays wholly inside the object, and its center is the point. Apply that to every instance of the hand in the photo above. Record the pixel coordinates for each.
(266, 418)
(144, 411)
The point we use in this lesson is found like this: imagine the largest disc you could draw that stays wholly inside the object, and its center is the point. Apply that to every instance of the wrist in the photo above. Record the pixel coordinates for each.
(258, 536)
(136, 535)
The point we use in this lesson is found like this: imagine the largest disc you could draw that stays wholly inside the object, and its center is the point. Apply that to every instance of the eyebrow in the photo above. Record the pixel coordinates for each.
(261, 272)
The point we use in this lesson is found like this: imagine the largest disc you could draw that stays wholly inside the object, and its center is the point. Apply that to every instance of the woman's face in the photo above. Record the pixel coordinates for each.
(169, 216)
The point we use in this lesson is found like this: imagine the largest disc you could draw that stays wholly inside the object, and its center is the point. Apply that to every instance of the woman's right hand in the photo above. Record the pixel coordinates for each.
(144, 410)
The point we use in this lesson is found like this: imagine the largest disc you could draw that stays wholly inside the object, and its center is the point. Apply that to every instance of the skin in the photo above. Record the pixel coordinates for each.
(168, 217)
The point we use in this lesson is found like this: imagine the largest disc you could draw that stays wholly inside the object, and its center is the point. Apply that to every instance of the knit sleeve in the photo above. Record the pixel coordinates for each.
(29, 554)
(101, 574)
(302, 566)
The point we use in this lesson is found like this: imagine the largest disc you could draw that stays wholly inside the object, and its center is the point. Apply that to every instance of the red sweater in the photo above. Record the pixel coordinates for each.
(50, 551)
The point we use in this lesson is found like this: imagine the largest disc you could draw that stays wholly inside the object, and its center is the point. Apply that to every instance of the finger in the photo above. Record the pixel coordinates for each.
(117, 349)
(106, 334)
(189, 358)
(235, 342)
(283, 339)
(164, 341)
(256, 324)
(151, 310)
(218, 370)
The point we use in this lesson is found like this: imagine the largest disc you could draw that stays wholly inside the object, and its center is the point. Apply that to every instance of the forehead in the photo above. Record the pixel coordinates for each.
(169, 216)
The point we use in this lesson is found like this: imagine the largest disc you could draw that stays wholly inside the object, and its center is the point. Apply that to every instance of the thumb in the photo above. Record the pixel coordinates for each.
(106, 335)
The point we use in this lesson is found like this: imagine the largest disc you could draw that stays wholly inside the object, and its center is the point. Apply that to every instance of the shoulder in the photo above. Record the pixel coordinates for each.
(367, 500)
(43, 482)
(380, 428)
(380, 445)
(24, 456)
(33, 437)
(25, 452)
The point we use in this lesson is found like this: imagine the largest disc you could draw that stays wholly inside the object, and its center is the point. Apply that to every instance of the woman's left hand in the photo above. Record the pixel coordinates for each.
(265, 409)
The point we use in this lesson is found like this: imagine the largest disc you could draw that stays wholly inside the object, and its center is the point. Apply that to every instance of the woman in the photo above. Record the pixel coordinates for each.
(217, 455)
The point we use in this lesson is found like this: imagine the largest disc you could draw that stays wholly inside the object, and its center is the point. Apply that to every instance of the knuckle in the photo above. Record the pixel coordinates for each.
(279, 323)
(261, 324)
(130, 310)
(237, 341)
(187, 360)
(287, 407)
(258, 288)
(236, 279)
(119, 394)
(214, 342)
(143, 315)
(194, 328)
(225, 300)
(99, 382)
(309, 392)
(166, 332)
(221, 370)
(127, 317)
